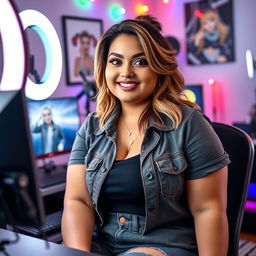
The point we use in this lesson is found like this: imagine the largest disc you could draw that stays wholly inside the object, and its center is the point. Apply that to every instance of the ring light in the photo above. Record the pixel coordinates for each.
(14, 48)
(51, 77)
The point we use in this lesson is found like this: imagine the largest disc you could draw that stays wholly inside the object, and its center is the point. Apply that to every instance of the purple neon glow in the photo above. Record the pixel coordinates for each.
(250, 206)
(251, 202)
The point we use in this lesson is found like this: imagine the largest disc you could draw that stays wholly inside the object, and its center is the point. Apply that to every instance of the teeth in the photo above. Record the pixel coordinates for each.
(127, 85)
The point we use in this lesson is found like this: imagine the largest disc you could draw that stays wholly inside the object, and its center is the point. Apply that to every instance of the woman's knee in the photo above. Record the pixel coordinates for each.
(145, 251)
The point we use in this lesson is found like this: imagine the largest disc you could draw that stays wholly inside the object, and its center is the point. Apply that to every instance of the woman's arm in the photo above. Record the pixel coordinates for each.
(78, 216)
(207, 198)
(35, 127)
(77, 68)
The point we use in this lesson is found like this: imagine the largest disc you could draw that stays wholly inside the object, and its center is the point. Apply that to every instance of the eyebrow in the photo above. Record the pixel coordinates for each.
(121, 56)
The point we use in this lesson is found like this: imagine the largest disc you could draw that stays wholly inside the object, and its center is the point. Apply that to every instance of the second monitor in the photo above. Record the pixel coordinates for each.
(53, 123)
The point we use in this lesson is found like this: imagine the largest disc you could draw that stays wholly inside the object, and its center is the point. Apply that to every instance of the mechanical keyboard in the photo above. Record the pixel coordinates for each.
(52, 225)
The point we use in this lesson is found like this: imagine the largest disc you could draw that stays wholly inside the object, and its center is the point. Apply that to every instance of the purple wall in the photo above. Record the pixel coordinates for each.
(236, 88)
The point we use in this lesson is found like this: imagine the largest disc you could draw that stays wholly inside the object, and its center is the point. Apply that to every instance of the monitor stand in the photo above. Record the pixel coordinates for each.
(51, 174)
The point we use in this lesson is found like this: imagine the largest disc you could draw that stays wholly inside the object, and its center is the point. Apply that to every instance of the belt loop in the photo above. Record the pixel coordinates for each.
(135, 224)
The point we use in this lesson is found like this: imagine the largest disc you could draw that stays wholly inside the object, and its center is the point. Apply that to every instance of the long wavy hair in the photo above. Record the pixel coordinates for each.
(161, 58)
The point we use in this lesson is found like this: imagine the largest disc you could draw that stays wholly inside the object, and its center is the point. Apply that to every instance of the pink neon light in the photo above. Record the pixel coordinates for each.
(250, 206)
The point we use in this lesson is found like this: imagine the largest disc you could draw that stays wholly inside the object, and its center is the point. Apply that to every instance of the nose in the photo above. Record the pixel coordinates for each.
(127, 70)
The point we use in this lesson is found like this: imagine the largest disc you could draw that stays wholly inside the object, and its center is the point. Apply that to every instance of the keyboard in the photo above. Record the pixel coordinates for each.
(52, 225)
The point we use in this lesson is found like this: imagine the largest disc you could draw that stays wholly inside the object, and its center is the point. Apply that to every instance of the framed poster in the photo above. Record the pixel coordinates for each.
(80, 39)
(209, 32)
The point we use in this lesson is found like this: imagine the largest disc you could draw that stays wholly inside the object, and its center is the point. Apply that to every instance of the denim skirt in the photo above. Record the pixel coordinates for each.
(123, 231)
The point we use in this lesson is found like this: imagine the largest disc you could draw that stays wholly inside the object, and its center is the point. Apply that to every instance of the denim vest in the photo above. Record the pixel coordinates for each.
(168, 157)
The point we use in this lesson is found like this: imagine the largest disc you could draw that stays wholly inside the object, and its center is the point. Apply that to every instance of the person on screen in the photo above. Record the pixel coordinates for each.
(147, 174)
(84, 62)
(52, 138)
(210, 38)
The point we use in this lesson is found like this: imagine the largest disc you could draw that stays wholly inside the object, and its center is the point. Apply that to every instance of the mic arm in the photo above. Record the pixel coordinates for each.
(89, 87)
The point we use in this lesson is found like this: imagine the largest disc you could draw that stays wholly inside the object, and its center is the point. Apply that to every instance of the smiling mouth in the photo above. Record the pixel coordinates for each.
(128, 85)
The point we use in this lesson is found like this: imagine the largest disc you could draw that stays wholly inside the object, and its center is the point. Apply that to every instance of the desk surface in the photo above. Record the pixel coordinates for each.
(33, 246)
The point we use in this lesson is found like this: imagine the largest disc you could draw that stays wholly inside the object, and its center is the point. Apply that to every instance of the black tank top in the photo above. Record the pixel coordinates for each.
(122, 190)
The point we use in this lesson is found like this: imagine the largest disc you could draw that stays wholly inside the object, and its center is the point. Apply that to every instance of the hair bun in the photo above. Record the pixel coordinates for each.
(151, 20)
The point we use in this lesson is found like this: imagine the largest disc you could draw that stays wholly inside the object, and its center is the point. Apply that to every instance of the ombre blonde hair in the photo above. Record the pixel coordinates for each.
(160, 56)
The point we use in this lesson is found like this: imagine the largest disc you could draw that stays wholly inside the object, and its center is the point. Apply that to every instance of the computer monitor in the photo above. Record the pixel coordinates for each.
(20, 199)
(53, 124)
(194, 93)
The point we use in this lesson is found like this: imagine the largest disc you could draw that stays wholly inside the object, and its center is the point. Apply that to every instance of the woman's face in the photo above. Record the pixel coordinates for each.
(85, 44)
(47, 116)
(209, 24)
(127, 72)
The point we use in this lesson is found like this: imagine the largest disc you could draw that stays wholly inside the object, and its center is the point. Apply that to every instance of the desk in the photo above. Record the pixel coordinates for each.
(33, 246)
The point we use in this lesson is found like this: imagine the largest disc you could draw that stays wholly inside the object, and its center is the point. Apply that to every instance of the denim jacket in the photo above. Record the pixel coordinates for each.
(168, 157)
(57, 136)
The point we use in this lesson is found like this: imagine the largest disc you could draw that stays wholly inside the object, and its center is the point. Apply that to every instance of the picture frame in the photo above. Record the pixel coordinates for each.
(80, 39)
(209, 32)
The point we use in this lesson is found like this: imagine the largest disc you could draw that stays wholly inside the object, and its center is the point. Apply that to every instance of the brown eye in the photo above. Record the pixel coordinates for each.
(141, 62)
(115, 62)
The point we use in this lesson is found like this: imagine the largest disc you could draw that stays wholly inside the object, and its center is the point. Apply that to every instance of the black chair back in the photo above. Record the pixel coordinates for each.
(240, 148)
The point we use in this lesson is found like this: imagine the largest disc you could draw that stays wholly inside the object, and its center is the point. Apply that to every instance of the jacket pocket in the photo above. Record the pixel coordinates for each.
(171, 169)
(92, 166)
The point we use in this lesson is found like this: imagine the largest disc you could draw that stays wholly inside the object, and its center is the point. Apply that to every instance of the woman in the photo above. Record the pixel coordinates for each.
(147, 173)
(84, 63)
(211, 37)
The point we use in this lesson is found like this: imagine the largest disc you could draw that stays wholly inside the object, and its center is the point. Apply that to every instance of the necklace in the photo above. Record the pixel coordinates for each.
(130, 134)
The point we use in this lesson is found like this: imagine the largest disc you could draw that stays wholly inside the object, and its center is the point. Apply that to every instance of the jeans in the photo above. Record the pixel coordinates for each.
(123, 231)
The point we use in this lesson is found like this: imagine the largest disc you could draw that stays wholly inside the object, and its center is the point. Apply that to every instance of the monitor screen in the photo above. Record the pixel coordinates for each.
(194, 93)
(53, 124)
(20, 197)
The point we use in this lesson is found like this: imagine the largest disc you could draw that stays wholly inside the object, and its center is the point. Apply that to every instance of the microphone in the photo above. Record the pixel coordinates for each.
(32, 69)
(89, 87)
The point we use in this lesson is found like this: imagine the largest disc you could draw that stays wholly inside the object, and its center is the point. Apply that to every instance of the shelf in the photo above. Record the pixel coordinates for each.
(53, 189)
